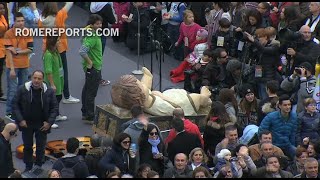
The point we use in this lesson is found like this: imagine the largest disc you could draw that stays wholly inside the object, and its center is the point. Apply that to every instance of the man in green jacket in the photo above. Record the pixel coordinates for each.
(91, 52)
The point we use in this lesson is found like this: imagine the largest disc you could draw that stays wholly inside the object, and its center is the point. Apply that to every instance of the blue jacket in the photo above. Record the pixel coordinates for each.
(308, 126)
(283, 131)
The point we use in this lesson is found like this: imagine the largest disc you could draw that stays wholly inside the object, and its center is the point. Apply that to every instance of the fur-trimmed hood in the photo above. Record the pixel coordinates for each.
(266, 108)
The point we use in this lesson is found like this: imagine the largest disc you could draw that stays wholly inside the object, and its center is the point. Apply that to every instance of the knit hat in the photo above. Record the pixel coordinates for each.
(223, 153)
(202, 33)
(233, 65)
(246, 89)
(306, 65)
(226, 15)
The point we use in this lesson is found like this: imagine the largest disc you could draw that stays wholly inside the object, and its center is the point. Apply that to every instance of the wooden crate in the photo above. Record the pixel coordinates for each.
(108, 119)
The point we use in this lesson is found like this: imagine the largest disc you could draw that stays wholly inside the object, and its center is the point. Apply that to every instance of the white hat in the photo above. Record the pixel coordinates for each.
(226, 15)
(223, 153)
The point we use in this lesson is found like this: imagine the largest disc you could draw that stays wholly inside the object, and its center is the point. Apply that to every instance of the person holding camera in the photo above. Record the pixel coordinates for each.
(302, 83)
(307, 50)
(215, 73)
(266, 59)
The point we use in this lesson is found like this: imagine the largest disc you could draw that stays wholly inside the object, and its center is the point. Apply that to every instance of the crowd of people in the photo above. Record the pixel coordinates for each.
(258, 59)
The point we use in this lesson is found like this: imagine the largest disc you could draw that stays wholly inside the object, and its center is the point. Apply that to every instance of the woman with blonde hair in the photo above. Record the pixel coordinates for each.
(188, 32)
(197, 158)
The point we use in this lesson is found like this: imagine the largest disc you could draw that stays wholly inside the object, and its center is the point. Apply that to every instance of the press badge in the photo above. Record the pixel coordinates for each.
(220, 41)
(61, 73)
(240, 45)
(186, 41)
(258, 71)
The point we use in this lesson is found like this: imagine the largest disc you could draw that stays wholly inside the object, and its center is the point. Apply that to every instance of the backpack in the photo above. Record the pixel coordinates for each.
(68, 172)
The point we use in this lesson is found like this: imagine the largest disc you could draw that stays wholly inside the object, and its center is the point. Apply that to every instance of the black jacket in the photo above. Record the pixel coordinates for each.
(80, 168)
(144, 21)
(21, 104)
(116, 157)
(183, 143)
(268, 58)
(92, 159)
(146, 156)
(229, 43)
(211, 76)
(6, 163)
(307, 51)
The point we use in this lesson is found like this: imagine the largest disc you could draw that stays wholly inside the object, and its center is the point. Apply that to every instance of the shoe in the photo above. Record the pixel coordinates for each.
(70, 100)
(54, 126)
(104, 82)
(87, 121)
(8, 117)
(3, 98)
(61, 118)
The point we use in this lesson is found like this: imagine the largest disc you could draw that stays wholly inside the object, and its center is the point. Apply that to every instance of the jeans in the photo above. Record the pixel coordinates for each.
(66, 92)
(89, 92)
(41, 140)
(289, 151)
(2, 61)
(103, 42)
(59, 97)
(262, 91)
(13, 84)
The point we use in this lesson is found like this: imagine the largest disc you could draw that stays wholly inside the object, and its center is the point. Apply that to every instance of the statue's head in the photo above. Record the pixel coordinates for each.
(128, 91)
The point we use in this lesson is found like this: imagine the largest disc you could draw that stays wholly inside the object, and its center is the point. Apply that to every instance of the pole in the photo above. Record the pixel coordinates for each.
(138, 71)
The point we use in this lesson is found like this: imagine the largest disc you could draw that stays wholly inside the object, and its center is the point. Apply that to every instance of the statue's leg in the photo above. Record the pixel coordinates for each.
(201, 99)
(147, 78)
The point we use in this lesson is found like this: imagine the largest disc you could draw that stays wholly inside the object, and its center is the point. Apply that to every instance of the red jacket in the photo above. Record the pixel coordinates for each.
(190, 127)
(275, 16)
(120, 8)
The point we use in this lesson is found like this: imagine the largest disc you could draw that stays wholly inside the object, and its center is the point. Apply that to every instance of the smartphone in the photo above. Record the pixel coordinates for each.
(130, 16)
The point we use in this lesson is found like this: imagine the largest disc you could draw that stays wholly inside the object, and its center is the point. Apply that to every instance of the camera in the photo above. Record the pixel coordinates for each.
(234, 159)
(240, 36)
(298, 70)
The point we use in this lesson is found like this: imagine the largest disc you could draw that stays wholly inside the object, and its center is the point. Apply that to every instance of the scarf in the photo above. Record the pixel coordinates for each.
(154, 144)
(97, 6)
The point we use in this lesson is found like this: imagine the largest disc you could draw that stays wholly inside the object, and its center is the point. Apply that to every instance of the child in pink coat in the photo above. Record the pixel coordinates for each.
(188, 31)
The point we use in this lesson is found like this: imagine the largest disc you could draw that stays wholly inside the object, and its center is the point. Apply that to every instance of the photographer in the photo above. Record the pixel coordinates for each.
(215, 73)
(267, 59)
(302, 83)
(224, 37)
(307, 50)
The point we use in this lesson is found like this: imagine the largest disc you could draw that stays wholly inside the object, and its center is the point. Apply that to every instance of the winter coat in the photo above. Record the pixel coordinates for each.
(146, 156)
(6, 163)
(265, 107)
(92, 159)
(262, 173)
(120, 8)
(306, 88)
(283, 131)
(80, 168)
(183, 143)
(216, 75)
(275, 16)
(229, 43)
(213, 134)
(308, 126)
(21, 104)
(256, 154)
(117, 157)
(268, 58)
(173, 173)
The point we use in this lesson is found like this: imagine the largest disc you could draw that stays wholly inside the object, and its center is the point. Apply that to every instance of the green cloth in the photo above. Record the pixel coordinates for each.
(93, 43)
(53, 65)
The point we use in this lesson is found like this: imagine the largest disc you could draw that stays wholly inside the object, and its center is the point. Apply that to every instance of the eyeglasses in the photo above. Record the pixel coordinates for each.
(153, 133)
(126, 142)
(224, 57)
